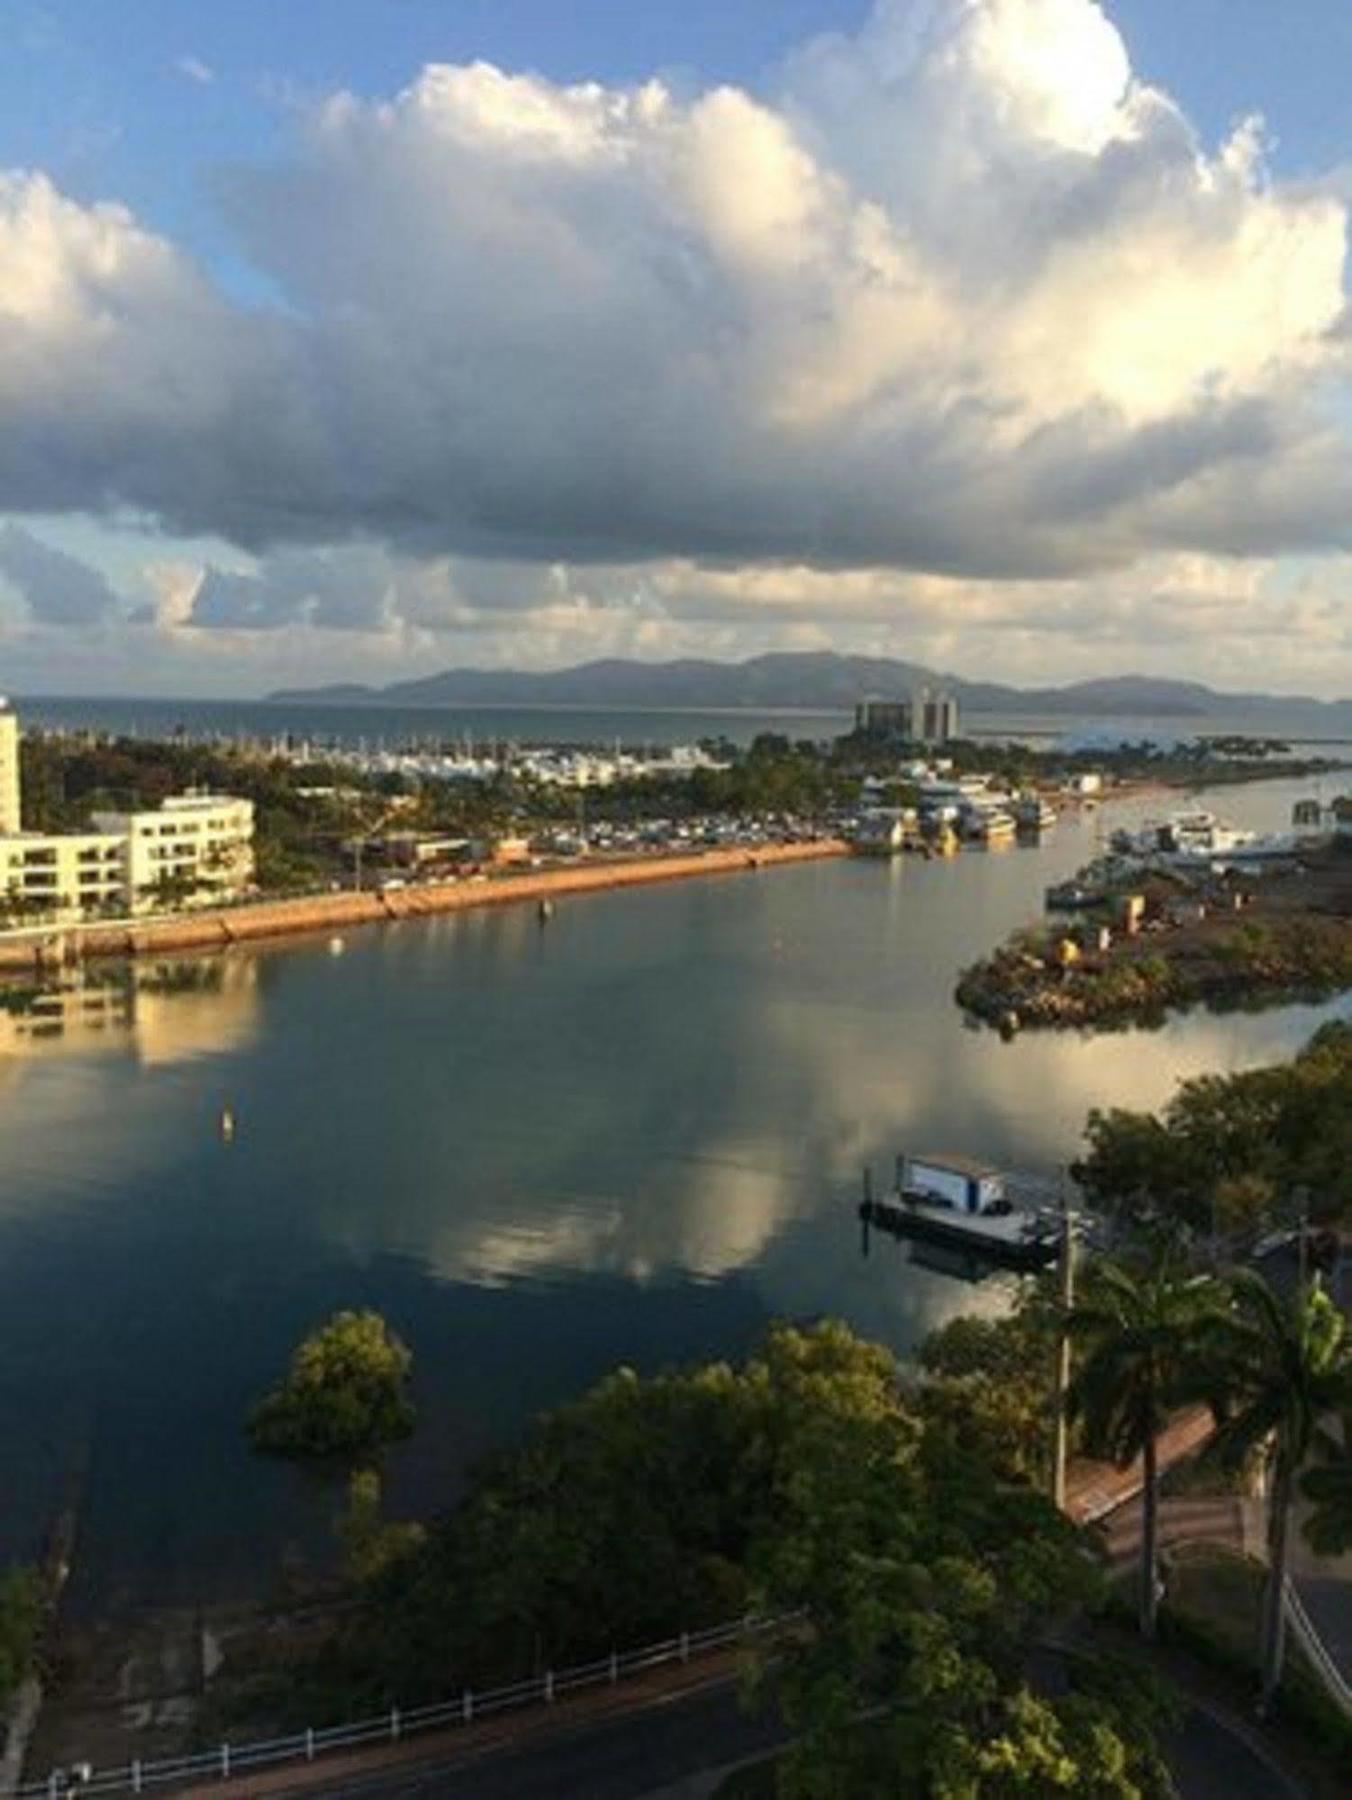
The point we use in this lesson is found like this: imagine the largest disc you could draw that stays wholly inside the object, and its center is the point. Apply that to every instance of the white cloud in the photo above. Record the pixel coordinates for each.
(194, 69)
(956, 298)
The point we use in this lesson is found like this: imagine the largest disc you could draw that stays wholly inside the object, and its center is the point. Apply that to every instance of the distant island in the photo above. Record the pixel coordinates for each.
(814, 680)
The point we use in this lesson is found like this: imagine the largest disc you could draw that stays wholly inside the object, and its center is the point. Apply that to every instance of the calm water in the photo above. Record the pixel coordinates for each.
(371, 725)
(635, 1134)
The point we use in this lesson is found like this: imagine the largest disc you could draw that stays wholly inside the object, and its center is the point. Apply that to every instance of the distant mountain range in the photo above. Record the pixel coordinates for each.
(813, 680)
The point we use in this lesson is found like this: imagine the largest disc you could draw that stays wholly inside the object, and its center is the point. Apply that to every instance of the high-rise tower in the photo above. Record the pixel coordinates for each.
(9, 770)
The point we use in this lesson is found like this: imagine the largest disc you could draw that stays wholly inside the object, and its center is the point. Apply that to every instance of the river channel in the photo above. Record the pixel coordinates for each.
(635, 1133)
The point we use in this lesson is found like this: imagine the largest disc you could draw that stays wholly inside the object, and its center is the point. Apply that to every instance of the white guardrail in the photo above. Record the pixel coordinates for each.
(226, 1761)
(1304, 1631)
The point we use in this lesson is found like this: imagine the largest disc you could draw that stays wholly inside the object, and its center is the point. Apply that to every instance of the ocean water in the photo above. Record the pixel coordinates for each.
(393, 725)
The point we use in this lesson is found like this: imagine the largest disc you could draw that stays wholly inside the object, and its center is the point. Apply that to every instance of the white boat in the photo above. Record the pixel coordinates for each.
(990, 825)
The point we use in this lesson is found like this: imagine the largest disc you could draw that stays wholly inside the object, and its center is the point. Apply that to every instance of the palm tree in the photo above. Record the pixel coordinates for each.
(1279, 1365)
(1140, 1330)
(1328, 1488)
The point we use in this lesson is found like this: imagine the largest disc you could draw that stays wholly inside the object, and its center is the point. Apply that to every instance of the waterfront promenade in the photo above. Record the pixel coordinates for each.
(219, 928)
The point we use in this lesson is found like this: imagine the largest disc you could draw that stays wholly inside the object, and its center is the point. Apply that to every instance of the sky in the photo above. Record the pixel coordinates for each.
(356, 339)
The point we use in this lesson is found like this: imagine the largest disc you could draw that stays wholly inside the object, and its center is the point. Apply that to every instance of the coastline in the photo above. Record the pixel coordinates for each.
(219, 928)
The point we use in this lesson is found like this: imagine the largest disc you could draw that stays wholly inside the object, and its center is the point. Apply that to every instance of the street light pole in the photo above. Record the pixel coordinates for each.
(1062, 1430)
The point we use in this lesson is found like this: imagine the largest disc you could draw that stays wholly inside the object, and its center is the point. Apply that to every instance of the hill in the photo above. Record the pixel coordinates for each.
(812, 679)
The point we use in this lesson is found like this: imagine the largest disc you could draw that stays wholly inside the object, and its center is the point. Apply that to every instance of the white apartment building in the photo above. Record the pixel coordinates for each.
(194, 850)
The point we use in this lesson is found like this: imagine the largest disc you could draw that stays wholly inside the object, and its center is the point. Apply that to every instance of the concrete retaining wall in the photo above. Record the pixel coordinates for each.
(22, 952)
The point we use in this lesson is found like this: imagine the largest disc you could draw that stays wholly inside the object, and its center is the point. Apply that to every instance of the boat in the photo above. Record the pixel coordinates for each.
(990, 825)
(1074, 896)
(961, 1204)
(1032, 813)
(879, 833)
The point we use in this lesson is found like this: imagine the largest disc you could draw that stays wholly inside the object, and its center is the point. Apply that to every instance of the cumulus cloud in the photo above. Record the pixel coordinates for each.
(58, 588)
(956, 296)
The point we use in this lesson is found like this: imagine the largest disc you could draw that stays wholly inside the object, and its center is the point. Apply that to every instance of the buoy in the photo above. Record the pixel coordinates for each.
(227, 1124)
(336, 946)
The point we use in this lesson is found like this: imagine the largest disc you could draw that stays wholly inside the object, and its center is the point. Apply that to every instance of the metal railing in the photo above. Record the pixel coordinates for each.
(1306, 1634)
(227, 1760)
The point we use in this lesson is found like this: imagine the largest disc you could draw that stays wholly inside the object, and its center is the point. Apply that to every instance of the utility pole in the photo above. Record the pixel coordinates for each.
(1301, 1196)
(1060, 1443)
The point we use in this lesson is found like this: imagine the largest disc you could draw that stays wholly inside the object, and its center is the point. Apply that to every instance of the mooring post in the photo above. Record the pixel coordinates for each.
(309, 1743)
(549, 1685)
(614, 1667)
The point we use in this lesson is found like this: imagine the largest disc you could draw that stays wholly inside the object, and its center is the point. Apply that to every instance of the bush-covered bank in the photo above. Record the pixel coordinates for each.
(815, 1479)
(1270, 962)
(1160, 939)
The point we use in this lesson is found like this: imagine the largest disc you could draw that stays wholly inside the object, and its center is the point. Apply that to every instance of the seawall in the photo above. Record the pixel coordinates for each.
(219, 928)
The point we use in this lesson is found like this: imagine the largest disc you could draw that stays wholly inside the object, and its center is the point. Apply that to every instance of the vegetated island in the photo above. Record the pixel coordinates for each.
(1168, 941)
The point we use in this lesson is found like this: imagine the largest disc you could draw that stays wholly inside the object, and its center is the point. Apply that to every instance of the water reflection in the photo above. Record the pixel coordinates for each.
(636, 1135)
(162, 1011)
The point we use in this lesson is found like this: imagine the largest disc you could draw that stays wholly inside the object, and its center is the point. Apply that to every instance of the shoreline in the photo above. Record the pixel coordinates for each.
(221, 927)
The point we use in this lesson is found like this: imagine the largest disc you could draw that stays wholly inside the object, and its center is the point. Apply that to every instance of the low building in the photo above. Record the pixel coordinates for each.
(61, 877)
(194, 850)
(424, 850)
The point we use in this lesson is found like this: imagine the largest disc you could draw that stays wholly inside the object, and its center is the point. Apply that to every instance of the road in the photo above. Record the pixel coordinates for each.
(692, 1736)
(683, 1746)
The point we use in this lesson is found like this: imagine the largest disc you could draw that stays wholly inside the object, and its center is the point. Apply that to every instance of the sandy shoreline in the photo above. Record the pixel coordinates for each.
(218, 929)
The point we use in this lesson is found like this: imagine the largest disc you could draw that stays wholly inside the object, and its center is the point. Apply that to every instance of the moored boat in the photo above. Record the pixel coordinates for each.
(953, 1201)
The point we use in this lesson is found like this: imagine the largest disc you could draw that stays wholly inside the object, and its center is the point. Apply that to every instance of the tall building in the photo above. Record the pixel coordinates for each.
(9, 770)
(936, 717)
(885, 718)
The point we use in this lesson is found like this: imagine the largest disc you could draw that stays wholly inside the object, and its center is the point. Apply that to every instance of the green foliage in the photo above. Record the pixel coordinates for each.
(1223, 1137)
(21, 1603)
(1277, 1367)
(1141, 1331)
(1328, 1489)
(372, 1544)
(345, 1393)
(989, 1384)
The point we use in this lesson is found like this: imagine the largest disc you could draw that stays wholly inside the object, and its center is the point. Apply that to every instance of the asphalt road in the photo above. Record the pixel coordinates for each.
(628, 1759)
(618, 1760)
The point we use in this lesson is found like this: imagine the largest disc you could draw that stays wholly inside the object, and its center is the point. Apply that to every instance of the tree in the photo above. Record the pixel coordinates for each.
(345, 1393)
(21, 1602)
(807, 1480)
(1277, 1366)
(1139, 1331)
(1328, 1488)
(1228, 1143)
(988, 1381)
(371, 1543)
